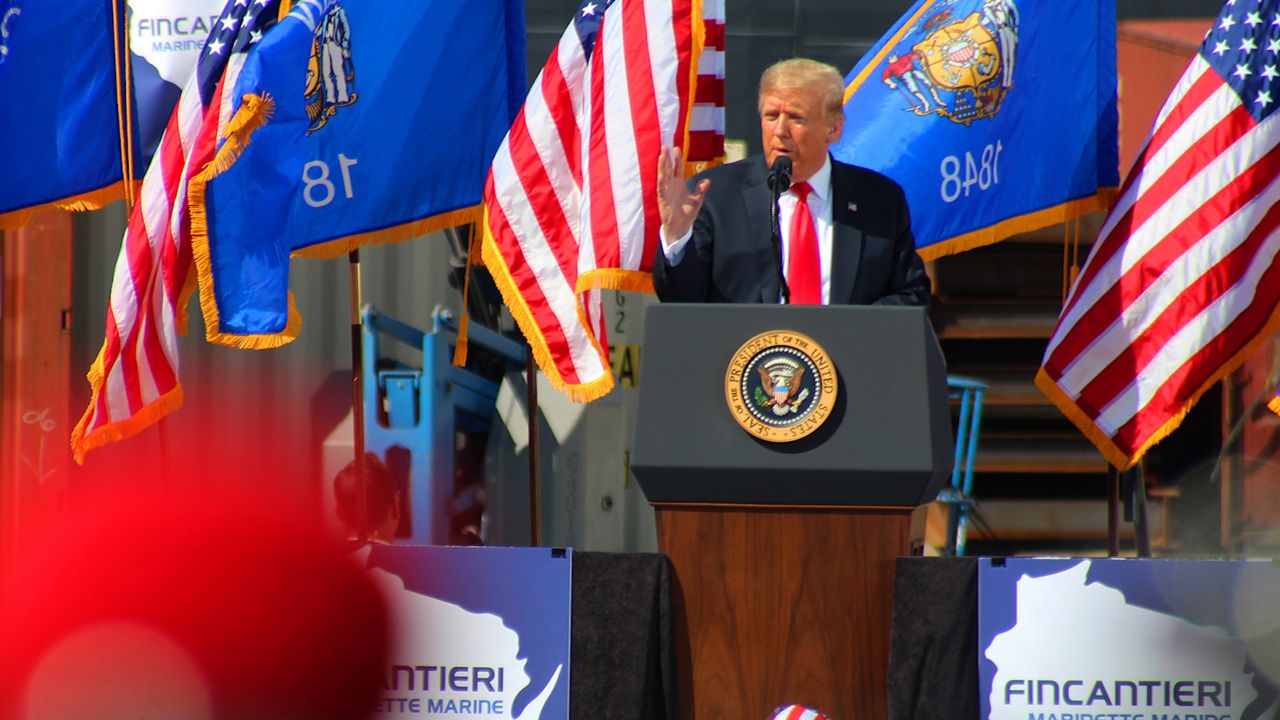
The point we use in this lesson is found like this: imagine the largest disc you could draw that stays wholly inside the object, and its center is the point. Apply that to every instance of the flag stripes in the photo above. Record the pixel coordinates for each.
(797, 712)
(1181, 284)
(706, 122)
(570, 201)
(134, 379)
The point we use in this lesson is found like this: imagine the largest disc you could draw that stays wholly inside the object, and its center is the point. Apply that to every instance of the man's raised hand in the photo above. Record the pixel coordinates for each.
(677, 206)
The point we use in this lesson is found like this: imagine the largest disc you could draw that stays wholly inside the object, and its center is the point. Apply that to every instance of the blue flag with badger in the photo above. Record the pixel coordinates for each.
(996, 116)
(63, 98)
(358, 122)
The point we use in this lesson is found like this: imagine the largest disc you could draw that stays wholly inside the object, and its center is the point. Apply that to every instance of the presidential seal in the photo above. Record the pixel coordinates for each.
(780, 386)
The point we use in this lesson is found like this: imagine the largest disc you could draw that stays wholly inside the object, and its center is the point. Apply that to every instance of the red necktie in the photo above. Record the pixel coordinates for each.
(804, 267)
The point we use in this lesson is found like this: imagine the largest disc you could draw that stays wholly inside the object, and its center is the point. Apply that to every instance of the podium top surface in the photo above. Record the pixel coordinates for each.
(887, 441)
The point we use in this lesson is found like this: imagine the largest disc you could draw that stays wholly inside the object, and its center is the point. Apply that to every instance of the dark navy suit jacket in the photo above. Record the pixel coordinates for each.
(729, 258)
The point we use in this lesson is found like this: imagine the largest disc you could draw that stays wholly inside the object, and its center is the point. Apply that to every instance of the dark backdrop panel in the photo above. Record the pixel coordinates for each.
(933, 655)
(621, 647)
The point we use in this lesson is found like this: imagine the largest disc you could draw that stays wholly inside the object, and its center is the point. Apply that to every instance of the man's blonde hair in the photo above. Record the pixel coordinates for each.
(803, 73)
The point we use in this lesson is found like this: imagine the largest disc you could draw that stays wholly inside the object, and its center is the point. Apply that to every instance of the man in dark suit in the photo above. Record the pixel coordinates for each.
(846, 231)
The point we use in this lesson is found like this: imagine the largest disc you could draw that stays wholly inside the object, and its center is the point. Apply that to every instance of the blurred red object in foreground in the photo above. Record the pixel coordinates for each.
(192, 605)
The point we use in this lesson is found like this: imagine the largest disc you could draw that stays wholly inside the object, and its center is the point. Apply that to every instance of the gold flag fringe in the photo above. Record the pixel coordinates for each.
(699, 36)
(599, 279)
(15, 219)
(97, 199)
(1106, 446)
(1274, 405)
(1095, 435)
(254, 112)
(82, 442)
(519, 309)
(92, 200)
(406, 231)
(1023, 223)
(615, 279)
(697, 166)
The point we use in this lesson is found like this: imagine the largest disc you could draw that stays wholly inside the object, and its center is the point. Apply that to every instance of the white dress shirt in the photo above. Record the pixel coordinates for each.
(819, 206)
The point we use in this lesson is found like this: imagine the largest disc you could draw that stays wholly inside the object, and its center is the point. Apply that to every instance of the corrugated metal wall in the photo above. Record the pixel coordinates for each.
(250, 413)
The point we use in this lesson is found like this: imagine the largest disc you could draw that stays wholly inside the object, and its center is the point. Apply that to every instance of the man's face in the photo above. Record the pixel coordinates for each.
(792, 124)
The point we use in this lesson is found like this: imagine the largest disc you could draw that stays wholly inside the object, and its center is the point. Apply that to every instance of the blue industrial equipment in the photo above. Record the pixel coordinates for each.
(422, 410)
(958, 496)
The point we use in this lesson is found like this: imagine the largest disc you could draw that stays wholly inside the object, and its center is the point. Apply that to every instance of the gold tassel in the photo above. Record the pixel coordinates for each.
(124, 106)
(473, 254)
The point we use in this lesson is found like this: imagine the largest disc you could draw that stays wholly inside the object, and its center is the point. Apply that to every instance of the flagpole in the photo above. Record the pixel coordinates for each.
(357, 393)
(1225, 469)
(1136, 509)
(1113, 512)
(535, 466)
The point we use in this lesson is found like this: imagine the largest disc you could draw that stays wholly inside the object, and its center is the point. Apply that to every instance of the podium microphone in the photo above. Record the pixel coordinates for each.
(780, 175)
(779, 182)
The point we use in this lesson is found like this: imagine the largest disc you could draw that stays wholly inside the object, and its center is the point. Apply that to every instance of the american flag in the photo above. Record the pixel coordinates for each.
(797, 712)
(570, 201)
(706, 123)
(1181, 286)
(135, 377)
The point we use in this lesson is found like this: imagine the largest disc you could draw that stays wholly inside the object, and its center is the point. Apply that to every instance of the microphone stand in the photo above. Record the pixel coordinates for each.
(779, 181)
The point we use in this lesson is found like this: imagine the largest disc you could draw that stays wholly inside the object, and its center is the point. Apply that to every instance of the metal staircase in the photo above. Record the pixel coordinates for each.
(1039, 485)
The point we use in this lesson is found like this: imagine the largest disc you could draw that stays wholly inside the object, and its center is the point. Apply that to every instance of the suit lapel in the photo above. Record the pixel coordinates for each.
(846, 241)
(756, 196)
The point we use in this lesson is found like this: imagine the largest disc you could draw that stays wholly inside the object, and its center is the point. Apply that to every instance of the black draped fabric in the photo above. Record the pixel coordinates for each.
(933, 655)
(621, 648)
(622, 652)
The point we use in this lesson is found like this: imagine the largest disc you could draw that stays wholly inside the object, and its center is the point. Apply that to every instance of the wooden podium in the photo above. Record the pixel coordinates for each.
(783, 552)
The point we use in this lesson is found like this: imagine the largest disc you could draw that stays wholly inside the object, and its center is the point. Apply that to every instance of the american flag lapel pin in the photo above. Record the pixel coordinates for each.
(853, 207)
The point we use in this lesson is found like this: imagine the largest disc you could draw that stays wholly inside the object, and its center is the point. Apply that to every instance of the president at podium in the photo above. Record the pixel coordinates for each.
(788, 452)
(840, 234)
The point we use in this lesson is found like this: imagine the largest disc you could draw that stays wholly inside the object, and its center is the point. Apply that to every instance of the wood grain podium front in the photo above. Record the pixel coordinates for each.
(777, 605)
(783, 553)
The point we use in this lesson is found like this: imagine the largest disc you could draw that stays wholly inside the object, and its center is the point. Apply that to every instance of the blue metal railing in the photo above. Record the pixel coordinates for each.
(959, 496)
(423, 408)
